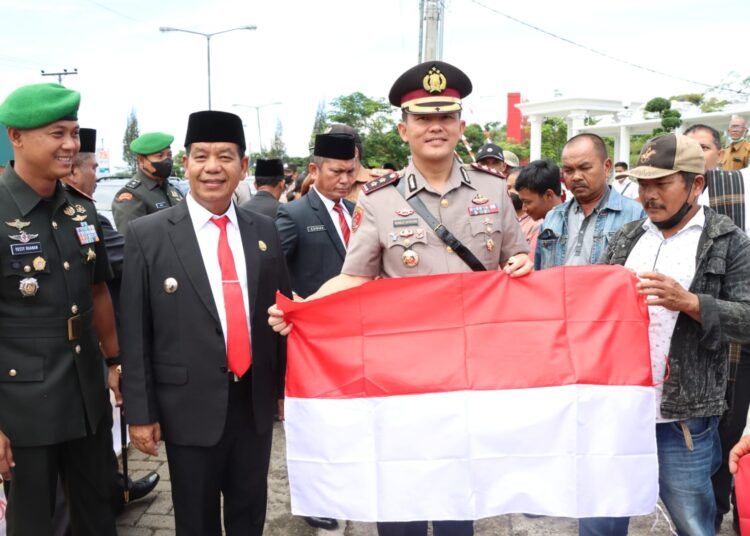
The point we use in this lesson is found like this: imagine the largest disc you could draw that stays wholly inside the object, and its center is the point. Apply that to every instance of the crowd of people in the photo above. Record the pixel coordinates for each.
(173, 306)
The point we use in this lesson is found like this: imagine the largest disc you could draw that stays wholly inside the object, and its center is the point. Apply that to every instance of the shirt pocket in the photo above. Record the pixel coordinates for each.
(486, 239)
(16, 268)
(410, 251)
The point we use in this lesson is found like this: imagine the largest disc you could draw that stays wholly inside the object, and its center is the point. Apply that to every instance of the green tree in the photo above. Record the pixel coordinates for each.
(554, 137)
(131, 132)
(177, 168)
(278, 148)
(670, 119)
(320, 124)
(358, 111)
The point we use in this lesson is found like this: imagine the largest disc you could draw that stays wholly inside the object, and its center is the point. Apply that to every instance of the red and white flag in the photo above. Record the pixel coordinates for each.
(464, 396)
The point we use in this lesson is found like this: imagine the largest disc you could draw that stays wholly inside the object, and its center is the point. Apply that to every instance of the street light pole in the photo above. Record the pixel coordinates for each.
(208, 37)
(257, 116)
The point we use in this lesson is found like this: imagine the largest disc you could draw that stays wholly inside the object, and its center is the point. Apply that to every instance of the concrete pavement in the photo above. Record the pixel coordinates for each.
(153, 516)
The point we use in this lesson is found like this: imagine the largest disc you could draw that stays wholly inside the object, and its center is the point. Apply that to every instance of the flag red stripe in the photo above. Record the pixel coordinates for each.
(465, 331)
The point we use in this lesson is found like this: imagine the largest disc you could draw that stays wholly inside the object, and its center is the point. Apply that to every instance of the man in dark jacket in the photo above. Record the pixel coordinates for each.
(694, 271)
(269, 182)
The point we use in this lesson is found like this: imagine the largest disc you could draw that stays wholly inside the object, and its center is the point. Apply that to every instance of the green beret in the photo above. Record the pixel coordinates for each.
(38, 105)
(151, 142)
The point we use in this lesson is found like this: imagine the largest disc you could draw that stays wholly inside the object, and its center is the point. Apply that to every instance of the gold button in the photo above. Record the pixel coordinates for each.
(444, 202)
(66, 265)
(449, 249)
(74, 309)
(12, 373)
(27, 268)
(78, 348)
(54, 225)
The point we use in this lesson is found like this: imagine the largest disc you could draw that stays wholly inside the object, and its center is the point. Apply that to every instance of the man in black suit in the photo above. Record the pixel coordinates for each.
(269, 182)
(315, 229)
(201, 366)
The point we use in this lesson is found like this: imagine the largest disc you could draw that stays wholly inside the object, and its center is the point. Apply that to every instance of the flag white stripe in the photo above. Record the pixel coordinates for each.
(573, 450)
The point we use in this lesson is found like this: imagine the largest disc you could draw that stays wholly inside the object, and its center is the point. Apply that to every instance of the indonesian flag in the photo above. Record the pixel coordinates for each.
(463, 396)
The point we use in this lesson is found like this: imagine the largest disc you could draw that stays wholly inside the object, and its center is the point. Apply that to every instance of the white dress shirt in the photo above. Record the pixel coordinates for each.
(627, 188)
(208, 234)
(335, 215)
(674, 257)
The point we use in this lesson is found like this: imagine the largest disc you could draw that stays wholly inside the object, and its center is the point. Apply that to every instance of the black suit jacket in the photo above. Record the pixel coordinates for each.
(173, 351)
(314, 252)
(262, 203)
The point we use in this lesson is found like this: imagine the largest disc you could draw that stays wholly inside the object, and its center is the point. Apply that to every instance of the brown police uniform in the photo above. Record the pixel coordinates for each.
(391, 240)
(736, 156)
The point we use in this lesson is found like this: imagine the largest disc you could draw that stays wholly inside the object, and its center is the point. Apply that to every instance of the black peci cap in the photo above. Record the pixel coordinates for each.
(88, 140)
(269, 169)
(336, 146)
(213, 126)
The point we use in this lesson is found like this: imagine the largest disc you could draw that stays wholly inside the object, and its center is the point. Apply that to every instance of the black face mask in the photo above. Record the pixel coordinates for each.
(678, 216)
(162, 168)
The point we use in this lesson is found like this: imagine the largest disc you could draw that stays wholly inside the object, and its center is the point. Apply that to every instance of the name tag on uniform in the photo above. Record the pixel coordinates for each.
(315, 228)
(410, 222)
(160, 205)
(24, 249)
(87, 234)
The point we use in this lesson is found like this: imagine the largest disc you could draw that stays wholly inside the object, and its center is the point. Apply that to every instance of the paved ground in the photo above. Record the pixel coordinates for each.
(152, 516)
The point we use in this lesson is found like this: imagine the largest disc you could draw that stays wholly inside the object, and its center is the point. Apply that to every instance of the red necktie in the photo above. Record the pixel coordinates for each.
(342, 222)
(238, 335)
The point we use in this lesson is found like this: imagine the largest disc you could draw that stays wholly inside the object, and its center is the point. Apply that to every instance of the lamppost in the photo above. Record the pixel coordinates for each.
(208, 37)
(257, 116)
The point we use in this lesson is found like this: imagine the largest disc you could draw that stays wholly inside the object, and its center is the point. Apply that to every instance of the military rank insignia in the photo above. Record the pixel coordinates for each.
(87, 234)
(483, 209)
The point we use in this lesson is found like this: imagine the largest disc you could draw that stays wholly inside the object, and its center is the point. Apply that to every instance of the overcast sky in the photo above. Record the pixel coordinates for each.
(305, 51)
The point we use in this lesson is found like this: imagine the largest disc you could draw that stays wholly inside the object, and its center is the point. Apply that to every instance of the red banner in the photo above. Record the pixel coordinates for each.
(478, 331)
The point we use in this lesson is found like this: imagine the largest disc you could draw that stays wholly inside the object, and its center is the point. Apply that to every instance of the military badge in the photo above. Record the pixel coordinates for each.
(23, 237)
(483, 209)
(39, 264)
(404, 212)
(18, 224)
(357, 217)
(87, 234)
(434, 81)
(80, 209)
(480, 199)
(69, 211)
(403, 233)
(419, 234)
(90, 255)
(29, 287)
(79, 217)
(125, 196)
(410, 258)
(262, 245)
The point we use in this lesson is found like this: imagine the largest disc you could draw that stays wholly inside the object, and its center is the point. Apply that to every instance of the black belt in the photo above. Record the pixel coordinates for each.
(70, 328)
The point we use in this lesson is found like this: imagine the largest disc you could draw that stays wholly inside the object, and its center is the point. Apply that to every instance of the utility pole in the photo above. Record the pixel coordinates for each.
(431, 29)
(59, 76)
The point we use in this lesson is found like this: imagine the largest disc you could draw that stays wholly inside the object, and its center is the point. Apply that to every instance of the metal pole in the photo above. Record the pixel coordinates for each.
(208, 63)
(260, 139)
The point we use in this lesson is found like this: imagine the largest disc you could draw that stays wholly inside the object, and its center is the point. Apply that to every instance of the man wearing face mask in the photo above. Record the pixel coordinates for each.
(149, 191)
(694, 270)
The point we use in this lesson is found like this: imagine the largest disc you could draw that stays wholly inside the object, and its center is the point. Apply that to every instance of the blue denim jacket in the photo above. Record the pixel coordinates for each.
(553, 234)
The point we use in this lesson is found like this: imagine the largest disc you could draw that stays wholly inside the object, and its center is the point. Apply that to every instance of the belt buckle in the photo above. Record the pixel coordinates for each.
(74, 327)
(438, 226)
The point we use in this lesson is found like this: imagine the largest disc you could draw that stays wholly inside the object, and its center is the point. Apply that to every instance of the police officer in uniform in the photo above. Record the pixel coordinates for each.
(392, 225)
(55, 309)
(149, 191)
